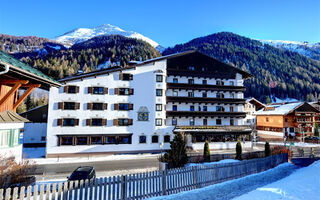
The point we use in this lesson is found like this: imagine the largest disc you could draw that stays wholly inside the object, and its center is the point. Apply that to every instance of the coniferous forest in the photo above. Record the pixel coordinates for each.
(296, 76)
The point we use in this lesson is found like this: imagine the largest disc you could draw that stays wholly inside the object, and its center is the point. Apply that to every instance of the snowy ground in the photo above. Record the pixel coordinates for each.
(238, 187)
(296, 144)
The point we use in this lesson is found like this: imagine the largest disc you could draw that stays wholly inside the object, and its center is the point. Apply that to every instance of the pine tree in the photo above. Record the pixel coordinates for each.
(238, 151)
(177, 155)
(316, 129)
(206, 152)
(267, 150)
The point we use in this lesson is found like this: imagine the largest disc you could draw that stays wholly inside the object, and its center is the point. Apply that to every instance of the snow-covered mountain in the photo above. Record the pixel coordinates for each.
(83, 34)
(307, 49)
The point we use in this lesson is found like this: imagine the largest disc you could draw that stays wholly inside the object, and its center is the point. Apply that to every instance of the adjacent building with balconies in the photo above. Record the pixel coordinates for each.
(138, 107)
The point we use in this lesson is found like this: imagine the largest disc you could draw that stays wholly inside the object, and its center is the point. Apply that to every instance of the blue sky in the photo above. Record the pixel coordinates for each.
(167, 22)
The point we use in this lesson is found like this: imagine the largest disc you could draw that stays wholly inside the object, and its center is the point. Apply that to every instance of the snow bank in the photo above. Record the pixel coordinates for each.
(302, 184)
(237, 187)
(210, 163)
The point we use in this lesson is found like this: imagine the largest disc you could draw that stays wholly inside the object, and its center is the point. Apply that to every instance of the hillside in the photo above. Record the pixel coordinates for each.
(98, 52)
(296, 75)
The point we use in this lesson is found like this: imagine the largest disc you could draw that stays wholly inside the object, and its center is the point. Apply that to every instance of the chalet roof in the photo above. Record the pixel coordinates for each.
(137, 64)
(21, 68)
(256, 102)
(283, 109)
(11, 117)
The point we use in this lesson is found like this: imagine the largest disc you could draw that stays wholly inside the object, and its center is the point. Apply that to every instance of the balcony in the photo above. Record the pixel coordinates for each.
(226, 129)
(204, 114)
(186, 86)
(180, 99)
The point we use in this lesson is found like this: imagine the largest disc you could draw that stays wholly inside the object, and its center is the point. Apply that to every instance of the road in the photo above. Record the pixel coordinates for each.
(103, 168)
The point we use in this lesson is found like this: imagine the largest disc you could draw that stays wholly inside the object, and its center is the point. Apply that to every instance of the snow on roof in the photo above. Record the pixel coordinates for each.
(279, 109)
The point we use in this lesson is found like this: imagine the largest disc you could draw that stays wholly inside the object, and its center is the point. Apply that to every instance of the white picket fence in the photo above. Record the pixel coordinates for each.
(144, 185)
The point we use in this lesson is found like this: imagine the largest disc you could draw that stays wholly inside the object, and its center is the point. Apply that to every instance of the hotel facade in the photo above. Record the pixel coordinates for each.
(139, 108)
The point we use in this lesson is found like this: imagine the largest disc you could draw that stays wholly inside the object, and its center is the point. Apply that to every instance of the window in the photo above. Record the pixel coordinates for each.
(43, 138)
(158, 122)
(124, 91)
(231, 122)
(155, 139)
(191, 68)
(205, 108)
(96, 140)
(190, 94)
(124, 122)
(175, 80)
(204, 82)
(97, 106)
(286, 119)
(166, 139)
(159, 92)
(123, 106)
(69, 105)
(219, 82)
(218, 122)
(98, 90)
(174, 107)
(174, 121)
(203, 69)
(4, 138)
(232, 83)
(204, 94)
(232, 95)
(158, 107)
(205, 122)
(159, 78)
(126, 77)
(219, 108)
(111, 140)
(191, 122)
(71, 89)
(175, 93)
(81, 140)
(190, 81)
(220, 95)
(267, 119)
(69, 122)
(66, 140)
(191, 108)
(142, 139)
(231, 108)
(96, 122)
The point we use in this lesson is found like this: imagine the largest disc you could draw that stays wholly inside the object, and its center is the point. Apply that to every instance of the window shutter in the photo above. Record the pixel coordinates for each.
(131, 77)
(77, 106)
(65, 89)
(89, 106)
(105, 106)
(130, 106)
(60, 105)
(59, 122)
(131, 91)
(77, 89)
(90, 90)
(105, 90)
(88, 122)
(129, 121)
(116, 106)
(104, 122)
(120, 76)
(116, 90)
(76, 122)
(115, 122)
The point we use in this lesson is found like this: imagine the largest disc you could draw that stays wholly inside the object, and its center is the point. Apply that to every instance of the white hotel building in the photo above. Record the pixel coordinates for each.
(136, 108)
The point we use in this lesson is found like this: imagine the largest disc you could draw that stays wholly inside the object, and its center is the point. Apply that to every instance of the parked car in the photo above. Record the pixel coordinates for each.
(83, 173)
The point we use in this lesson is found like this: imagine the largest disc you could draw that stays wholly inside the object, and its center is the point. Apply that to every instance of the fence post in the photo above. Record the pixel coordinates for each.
(195, 176)
(164, 186)
(123, 187)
